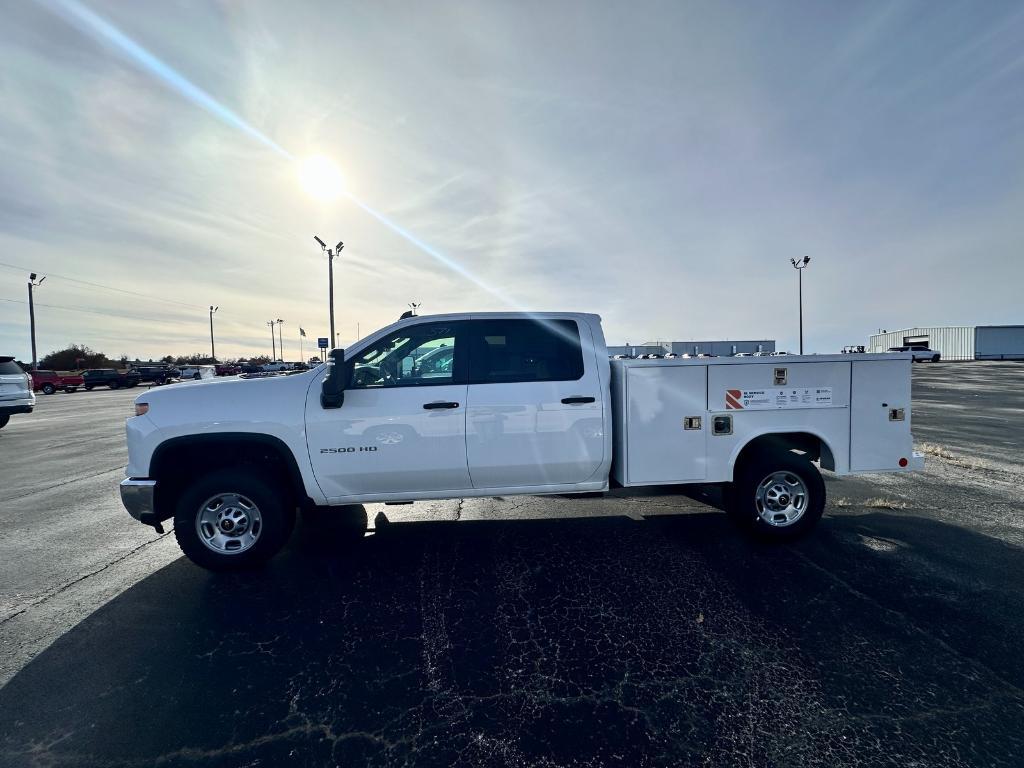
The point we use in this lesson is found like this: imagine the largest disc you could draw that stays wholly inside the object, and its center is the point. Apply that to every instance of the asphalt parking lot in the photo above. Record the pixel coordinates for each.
(628, 630)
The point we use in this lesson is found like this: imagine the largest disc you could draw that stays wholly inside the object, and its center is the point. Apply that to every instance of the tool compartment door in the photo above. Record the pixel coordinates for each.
(659, 449)
(877, 442)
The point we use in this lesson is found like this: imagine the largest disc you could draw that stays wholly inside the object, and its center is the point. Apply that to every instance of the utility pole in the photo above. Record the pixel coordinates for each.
(273, 341)
(331, 256)
(280, 334)
(213, 352)
(32, 313)
(799, 266)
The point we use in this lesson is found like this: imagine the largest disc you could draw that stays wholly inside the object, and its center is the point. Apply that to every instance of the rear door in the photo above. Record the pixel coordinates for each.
(880, 415)
(535, 414)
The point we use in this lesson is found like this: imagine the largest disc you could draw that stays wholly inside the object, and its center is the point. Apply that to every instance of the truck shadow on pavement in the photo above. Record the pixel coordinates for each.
(882, 640)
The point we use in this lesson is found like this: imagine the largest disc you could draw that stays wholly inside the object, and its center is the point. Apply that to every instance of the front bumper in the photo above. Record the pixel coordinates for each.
(138, 497)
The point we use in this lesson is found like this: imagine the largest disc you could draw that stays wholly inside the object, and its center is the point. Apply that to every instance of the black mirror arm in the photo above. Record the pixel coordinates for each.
(332, 392)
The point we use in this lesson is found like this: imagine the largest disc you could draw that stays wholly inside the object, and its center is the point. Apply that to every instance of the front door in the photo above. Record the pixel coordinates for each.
(402, 426)
(535, 413)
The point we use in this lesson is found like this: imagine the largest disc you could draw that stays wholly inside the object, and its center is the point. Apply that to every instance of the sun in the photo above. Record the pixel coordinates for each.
(320, 178)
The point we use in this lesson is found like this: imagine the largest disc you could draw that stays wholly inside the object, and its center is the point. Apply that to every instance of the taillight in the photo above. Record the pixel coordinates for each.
(141, 409)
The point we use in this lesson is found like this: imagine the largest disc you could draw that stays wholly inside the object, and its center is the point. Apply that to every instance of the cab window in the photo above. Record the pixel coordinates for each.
(419, 355)
(525, 350)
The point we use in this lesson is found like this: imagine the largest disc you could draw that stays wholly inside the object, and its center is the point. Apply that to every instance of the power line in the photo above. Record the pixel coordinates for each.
(150, 296)
(97, 312)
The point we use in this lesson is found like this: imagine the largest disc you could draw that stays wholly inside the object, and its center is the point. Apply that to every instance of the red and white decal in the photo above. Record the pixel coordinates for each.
(732, 399)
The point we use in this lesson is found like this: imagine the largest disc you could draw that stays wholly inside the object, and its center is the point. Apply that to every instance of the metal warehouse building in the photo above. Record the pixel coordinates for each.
(958, 342)
(718, 348)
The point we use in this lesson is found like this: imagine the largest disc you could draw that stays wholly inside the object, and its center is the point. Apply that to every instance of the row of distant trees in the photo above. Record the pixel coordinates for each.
(78, 356)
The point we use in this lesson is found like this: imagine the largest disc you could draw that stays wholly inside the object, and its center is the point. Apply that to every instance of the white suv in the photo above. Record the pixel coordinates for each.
(16, 395)
(920, 351)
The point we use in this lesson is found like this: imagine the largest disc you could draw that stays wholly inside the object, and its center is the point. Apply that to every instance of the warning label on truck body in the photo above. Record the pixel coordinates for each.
(778, 397)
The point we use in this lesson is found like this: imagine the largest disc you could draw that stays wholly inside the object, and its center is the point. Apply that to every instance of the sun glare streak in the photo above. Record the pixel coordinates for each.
(96, 26)
(320, 177)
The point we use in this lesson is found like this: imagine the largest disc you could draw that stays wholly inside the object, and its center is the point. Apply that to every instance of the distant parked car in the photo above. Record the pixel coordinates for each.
(157, 374)
(227, 369)
(277, 365)
(110, 377)
(779, 354)
(920, 351)
(745, 354)
(16, 395)
(251, 368)
(197, 372)
(49, 382)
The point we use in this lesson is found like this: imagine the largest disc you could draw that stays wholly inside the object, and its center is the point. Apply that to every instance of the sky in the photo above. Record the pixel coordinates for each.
(656, 163)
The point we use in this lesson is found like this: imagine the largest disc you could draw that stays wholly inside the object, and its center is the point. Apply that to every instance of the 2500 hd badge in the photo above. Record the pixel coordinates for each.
(350, 449)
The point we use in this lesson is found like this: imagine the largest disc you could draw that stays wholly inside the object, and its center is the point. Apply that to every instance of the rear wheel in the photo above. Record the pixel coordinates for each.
(88, 387)
(48, 389)
(776, 495)
(114, 385)
(935, 358)
(231, 520)
(3, 421)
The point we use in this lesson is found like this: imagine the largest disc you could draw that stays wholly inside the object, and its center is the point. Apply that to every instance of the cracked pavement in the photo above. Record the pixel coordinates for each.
(636, 629)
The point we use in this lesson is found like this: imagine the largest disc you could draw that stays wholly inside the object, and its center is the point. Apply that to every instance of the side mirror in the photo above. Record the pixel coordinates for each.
(332, 393)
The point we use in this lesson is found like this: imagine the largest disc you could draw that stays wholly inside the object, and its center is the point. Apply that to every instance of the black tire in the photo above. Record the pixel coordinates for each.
(48, 388)
(935, 359)
(88, 387)
(748, 511)
(113, 385)
(276, 520)
(3, 420)
(69, 390)
(196, 376)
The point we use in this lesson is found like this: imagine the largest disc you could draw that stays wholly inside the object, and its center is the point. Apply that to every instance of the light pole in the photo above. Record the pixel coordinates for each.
(799, 266)
(213, 352)
(280, 334)
(273, 341)
(32, 312)
(331, 256)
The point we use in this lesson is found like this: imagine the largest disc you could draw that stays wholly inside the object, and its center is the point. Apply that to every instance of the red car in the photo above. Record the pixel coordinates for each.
(49, 382)
(226, 369)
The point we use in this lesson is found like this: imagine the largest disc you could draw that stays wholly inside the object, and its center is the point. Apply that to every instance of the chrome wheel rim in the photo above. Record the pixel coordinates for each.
(228, 523)
(781, 499)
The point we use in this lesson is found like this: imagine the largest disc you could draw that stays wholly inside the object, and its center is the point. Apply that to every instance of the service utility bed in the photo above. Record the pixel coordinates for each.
(666, 430)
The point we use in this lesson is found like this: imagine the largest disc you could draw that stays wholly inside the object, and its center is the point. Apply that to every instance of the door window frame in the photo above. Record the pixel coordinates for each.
(460, 357)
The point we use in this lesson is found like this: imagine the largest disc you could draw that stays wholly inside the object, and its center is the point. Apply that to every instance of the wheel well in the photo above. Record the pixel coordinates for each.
(178, 461)
(811, 446)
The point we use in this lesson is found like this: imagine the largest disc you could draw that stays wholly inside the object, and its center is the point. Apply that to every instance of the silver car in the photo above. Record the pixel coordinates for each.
(16, 395)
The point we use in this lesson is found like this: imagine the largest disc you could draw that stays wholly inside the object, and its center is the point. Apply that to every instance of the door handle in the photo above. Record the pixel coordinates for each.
(577, 400)
(439, 404)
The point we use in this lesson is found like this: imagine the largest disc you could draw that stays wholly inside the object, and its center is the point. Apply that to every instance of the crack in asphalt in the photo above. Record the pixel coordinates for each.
(68, 585)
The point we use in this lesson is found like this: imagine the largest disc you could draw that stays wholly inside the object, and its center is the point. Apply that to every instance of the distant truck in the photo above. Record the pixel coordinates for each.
(110, 377)
(157, 374)
(49, 382)
(504, 404)
(920, 352)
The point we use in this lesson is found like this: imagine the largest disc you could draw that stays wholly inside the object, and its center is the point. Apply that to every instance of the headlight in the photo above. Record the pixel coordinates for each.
(141, 409)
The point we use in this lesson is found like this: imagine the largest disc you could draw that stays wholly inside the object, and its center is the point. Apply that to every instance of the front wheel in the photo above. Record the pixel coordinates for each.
(114, 385)
(3, 420)
(88, 387)
(231, 520)
(49, 389)
(69, 390)
(776, 495)
(935, 358)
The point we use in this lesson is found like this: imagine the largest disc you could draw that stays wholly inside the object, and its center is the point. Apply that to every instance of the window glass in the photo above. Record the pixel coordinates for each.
(8, 366)
(415, 356)
(525, 350)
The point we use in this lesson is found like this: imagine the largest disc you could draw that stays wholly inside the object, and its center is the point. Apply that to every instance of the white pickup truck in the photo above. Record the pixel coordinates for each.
(499, 404)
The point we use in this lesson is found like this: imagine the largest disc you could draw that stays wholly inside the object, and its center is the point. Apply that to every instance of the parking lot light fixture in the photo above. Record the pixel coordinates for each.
(213, 351)
(273, 342)
(33, 283)
(332, 254)
(799, 266)
(280, 335)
